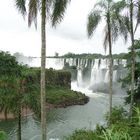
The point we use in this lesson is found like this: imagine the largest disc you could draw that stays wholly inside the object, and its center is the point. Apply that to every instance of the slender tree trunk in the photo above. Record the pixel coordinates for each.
(132, 59)
(110, 68)
(19, 124)
(5, 113)
(43, 63)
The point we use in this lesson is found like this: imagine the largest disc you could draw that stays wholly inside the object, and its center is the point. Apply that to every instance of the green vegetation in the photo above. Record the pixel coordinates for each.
(92, 56)
(20, 88)
(120, 129)
(64, 97)
(126, 82)
(3, 135)
(84, 55)
(53, 77)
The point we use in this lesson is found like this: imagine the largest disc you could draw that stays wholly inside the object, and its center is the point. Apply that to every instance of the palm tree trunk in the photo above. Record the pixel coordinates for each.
(110, 68)
(19, 124)
(43, 63)
(132, 59)
(5, 113)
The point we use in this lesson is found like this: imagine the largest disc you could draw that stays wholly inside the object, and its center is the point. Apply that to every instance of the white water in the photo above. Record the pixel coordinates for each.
(79, 78)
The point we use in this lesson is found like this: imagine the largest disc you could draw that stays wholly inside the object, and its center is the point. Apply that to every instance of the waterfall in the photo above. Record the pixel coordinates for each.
(115, 76)
(79, 78)
(96, 76)
(106, 80)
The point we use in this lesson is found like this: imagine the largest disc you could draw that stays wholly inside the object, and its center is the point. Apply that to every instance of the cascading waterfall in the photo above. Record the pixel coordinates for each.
(96, 73)
(115, 76)
(106, 79)
(79, 78)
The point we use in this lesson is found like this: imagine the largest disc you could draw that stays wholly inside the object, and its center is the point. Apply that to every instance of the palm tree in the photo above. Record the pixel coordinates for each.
(5, 94)
(10, 99)
(133, 5)
(16, 89)
(52, 10)
(106, 9)
(126, 22)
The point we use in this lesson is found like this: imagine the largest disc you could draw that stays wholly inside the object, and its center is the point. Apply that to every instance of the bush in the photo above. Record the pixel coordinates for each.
(3, 135)
(118, 114)
(84, 135)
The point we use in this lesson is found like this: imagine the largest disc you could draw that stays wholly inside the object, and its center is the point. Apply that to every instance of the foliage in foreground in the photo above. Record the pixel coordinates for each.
(126, 82)
(121, 129)
(3, 135)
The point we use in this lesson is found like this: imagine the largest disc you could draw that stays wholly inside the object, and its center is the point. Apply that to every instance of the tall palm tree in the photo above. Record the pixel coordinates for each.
(126, 22)
(52, 10)
(133, 5)
(106, 9)
(132, 57)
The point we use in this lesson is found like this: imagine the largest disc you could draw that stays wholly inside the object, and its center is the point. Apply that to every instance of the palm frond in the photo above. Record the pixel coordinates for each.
(93, 20)
(114, 30)
(120, 24)
(101, 5)
(20, 4)
(33, 11)
(106, 38)
(126, 22)
(49, 4)
(118, 6)
(137, 16)
(119, 27)
(58, 10)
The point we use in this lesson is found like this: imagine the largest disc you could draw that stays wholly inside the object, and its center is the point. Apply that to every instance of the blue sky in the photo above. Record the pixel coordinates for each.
(69, 36)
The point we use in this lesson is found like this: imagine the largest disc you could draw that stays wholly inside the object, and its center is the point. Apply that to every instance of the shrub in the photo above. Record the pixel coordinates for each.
(118, 115)
(3, 135)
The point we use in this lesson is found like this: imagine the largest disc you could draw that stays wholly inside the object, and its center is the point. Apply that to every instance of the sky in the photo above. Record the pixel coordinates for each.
(69, 36)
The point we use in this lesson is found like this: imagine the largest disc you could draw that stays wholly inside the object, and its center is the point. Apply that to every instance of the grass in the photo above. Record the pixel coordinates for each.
(83, 135)
(3, 135)
(60, 95)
